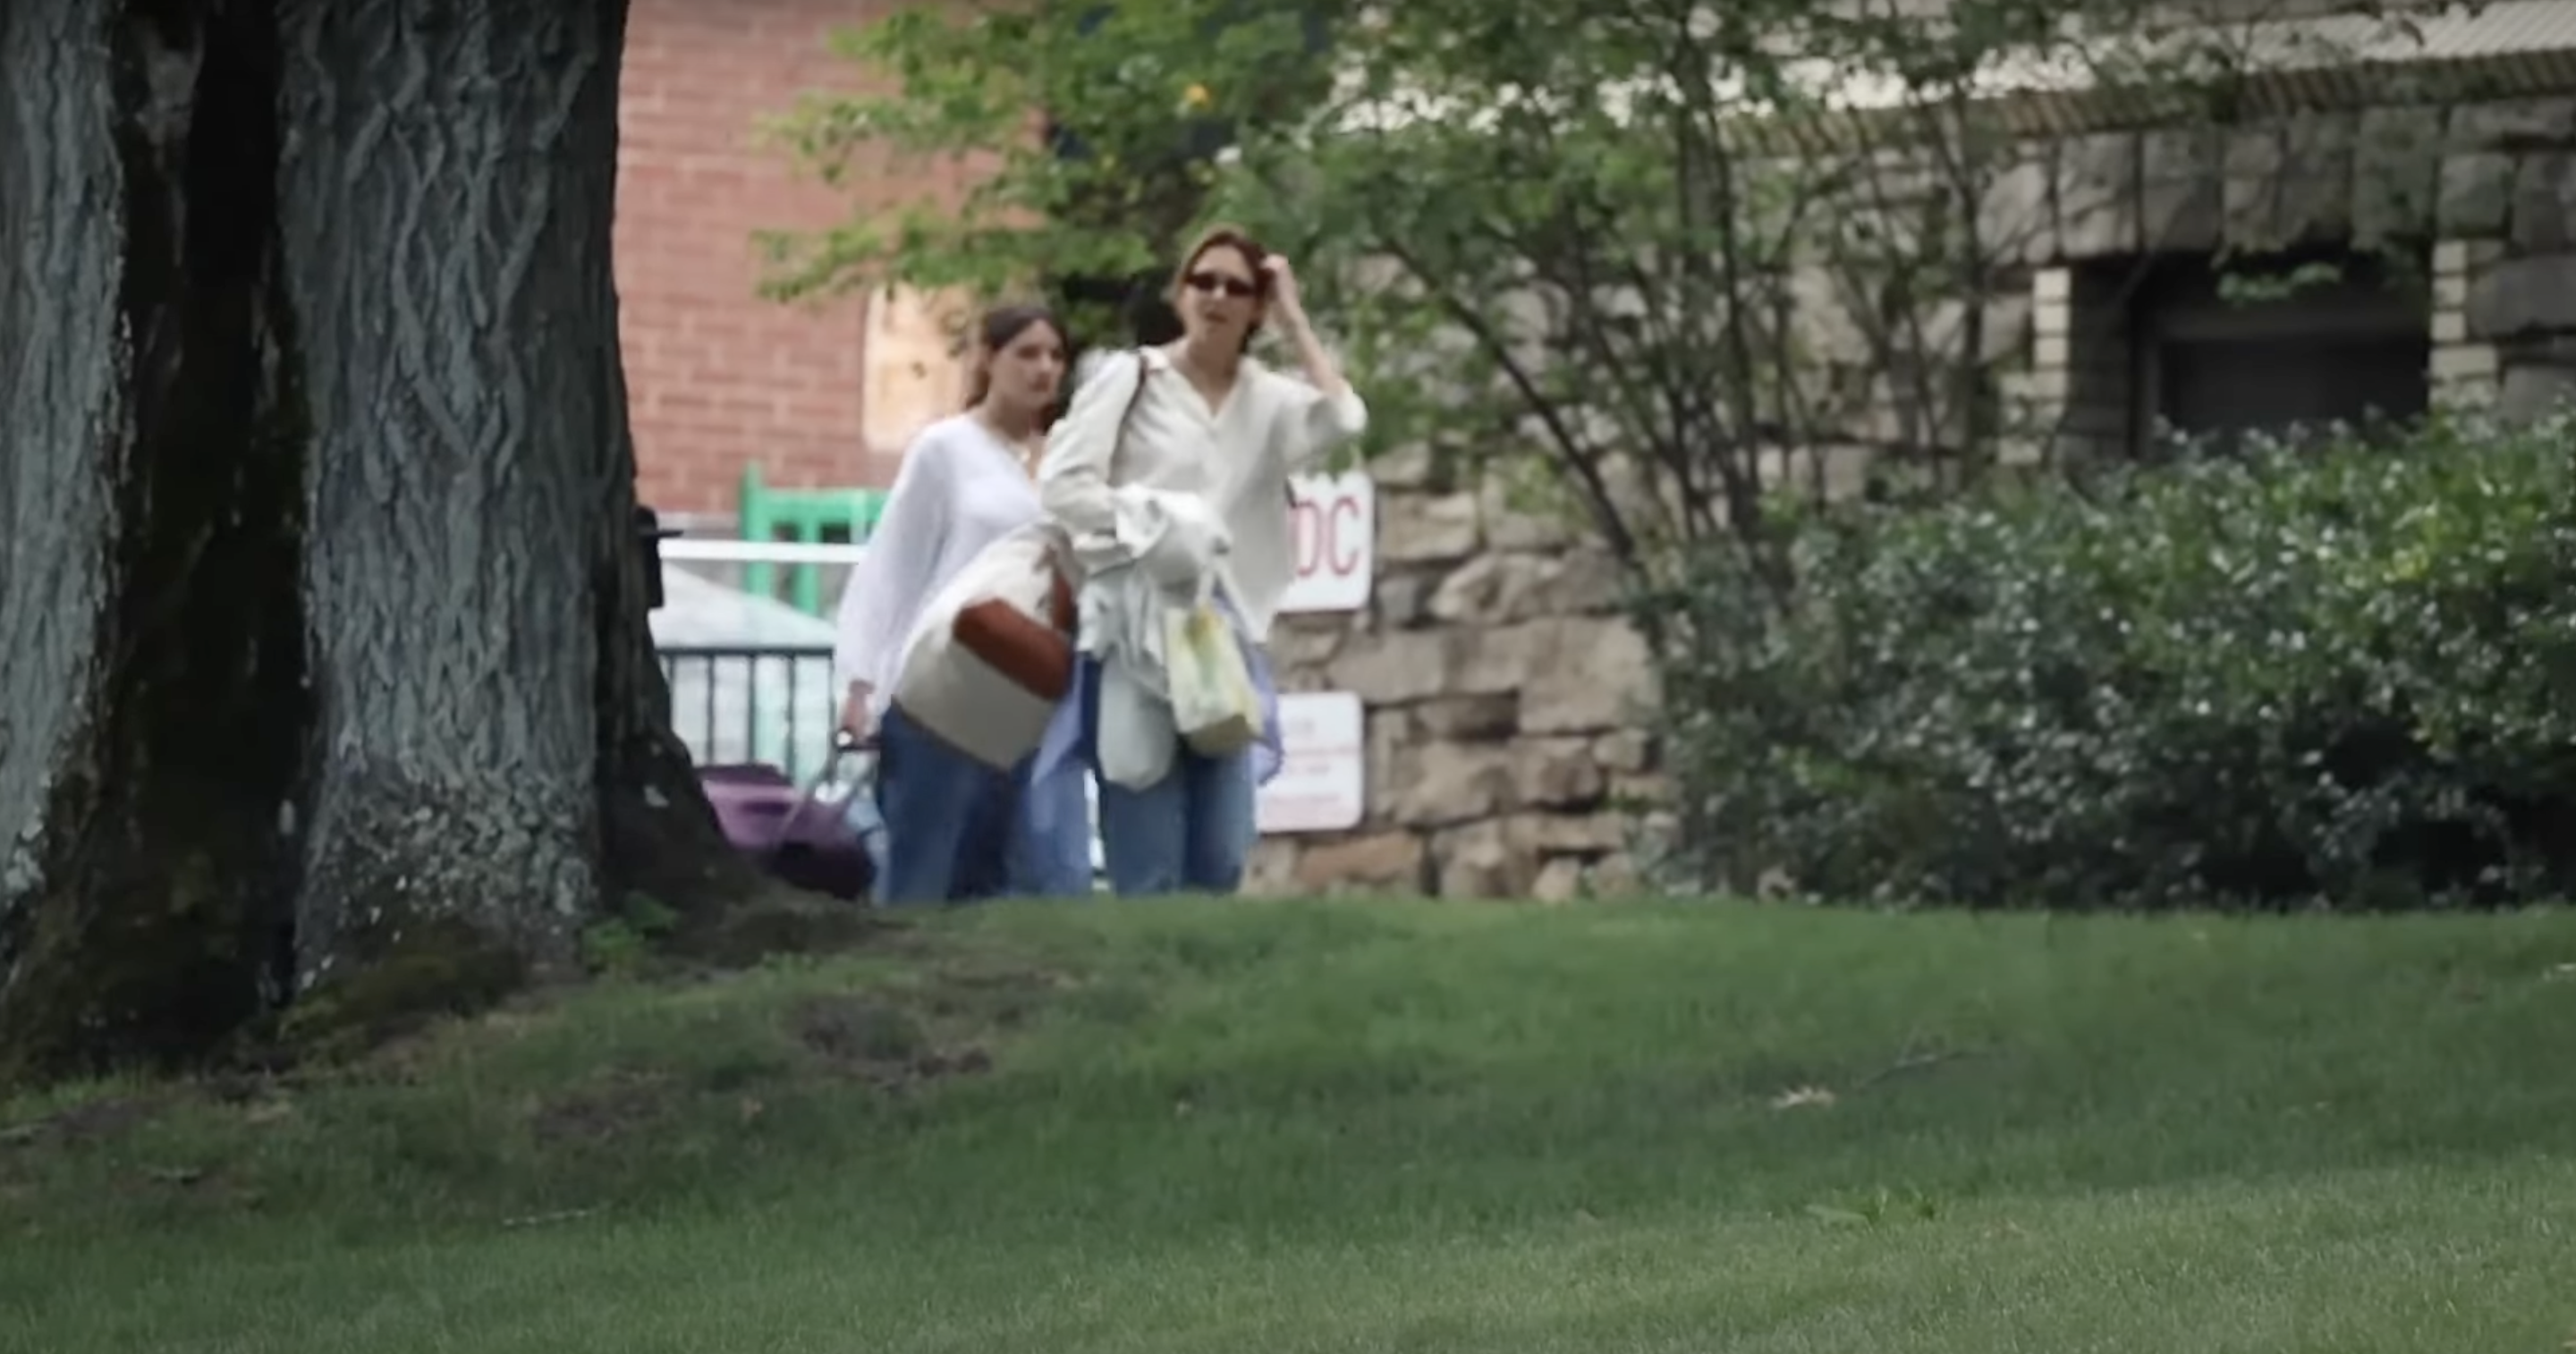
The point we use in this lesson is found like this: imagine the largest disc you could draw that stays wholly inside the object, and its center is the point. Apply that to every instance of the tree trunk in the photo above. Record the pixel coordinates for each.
(151, 701)
(659, 835)
(449, 275)
(325, 670)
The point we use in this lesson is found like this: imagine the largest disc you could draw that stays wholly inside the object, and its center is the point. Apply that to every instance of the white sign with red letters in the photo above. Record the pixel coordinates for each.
(1333, 525)
(1323, 785)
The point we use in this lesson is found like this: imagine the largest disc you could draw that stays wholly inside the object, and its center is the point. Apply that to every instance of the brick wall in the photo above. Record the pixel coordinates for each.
(716, 376)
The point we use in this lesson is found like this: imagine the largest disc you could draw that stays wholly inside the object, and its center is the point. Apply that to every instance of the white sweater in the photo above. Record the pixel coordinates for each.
(1237, 459)
(960, 490)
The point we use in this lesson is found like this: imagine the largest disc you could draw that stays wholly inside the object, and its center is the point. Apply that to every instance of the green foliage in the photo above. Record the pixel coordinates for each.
(2330, 677)
(625, 942)
(1648, 249)
(1561, 236)
(1146, 87)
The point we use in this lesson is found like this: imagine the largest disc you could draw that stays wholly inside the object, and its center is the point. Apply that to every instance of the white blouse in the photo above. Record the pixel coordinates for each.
(1237, 457)
(961, 488)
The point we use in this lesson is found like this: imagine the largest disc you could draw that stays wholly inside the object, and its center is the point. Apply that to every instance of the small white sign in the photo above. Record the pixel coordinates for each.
(1323, 787)
(1333, 525)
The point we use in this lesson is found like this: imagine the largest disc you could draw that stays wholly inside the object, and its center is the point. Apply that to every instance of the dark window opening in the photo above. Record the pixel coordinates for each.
(2325, 337)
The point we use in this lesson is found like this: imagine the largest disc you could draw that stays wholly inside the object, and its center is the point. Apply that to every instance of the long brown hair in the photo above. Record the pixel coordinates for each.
(999, 329)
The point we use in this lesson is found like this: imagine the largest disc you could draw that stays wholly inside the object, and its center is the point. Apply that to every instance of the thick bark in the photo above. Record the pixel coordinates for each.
(323, 643)
(449, 269)
(150, 681)
(659, 835)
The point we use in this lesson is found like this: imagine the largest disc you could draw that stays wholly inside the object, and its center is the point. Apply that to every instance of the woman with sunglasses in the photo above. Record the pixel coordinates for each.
(1202, 419)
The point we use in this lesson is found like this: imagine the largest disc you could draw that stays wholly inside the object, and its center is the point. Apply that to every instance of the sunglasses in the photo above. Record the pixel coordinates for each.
(1215, 282)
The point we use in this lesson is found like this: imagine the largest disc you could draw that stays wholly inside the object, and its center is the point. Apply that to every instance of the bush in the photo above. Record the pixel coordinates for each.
(2343, 676)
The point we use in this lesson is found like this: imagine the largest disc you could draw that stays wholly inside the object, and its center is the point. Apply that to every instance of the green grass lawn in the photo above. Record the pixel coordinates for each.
(1275, 1128)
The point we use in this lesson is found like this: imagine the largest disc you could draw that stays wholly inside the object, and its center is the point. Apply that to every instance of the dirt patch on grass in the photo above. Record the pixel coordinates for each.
(213, 1189)
(610, 1108)
(87, 1123)
(1004, 998)
(782, 922)
(878, 1042)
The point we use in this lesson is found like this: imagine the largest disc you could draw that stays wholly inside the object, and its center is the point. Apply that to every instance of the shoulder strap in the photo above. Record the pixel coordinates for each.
(1127, 415)
(1144, 369)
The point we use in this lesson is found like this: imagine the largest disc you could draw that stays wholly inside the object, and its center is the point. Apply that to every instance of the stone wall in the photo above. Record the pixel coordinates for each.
(2504, 291)
(1510, 708)
(2484, 193)
(1506, 706)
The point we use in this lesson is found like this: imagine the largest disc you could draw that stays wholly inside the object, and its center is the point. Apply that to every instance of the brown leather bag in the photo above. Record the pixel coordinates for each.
(1036, 654)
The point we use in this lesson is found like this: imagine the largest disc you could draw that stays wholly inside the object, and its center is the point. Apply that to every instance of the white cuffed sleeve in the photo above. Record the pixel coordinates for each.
(888, 587)
(1314, 423)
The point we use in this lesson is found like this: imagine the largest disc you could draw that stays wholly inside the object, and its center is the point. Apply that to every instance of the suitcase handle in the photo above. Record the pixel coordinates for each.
(844, 744)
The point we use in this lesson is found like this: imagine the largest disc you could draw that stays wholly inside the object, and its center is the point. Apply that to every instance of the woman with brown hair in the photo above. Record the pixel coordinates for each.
(1207, 437)
(956, 829)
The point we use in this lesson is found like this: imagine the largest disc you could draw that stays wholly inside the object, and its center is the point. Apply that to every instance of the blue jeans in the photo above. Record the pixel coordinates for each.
(1190, 832)
(957, 830)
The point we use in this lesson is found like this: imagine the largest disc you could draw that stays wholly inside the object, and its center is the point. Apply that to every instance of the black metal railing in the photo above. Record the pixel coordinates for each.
(754, 703)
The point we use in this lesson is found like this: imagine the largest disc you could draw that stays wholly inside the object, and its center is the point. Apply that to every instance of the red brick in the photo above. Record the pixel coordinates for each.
(717, 376)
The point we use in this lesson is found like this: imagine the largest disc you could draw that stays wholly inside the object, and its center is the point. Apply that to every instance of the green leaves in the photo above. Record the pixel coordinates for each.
(2328, 677)
(1085, 133)
(1546, 218)
(1654, 254)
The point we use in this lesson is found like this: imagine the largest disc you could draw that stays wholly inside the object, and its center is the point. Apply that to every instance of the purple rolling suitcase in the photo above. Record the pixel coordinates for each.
(823, 837)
